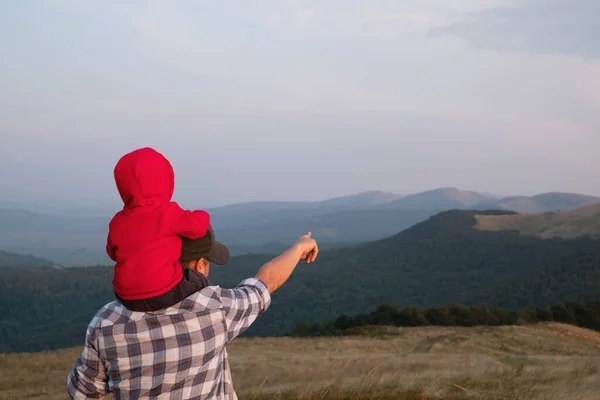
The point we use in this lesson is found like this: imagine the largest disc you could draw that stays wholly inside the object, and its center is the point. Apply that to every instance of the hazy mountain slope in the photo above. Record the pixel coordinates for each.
(364, 199)
(343, 227)
(16, 221)
(64, 240)
(69, 249)
(8, 259)
(443, 199)
(264, 212)
(361, 199)
(563, 201)
(566, 224)
(546, 202)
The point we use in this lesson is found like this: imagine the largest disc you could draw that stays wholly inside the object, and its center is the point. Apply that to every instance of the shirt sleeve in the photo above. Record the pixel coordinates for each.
(190, 224)
(87, 379)
(243, 305)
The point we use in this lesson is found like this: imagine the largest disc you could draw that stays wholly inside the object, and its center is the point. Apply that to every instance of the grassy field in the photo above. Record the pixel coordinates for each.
(548, 362)
(567, 224)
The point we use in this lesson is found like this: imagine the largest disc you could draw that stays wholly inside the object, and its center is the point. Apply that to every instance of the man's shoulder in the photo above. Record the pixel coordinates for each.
(213, 292)
(256, 284)
(248, 292)
(109, 314)
(208, 297)
(211, 297)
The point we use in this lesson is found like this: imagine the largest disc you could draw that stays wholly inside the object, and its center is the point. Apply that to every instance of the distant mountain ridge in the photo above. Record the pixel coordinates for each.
(362, 200)
(442, 198)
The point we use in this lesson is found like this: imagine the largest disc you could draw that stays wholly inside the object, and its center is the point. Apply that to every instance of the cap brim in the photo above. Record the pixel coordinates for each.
(219, 254)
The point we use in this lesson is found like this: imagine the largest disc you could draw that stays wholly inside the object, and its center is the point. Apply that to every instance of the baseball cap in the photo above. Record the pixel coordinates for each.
(205, 247)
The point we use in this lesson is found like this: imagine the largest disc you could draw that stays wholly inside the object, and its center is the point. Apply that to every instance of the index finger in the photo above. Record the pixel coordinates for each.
(314, 252)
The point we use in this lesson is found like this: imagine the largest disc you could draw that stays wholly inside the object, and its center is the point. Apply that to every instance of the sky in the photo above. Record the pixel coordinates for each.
(299, 100)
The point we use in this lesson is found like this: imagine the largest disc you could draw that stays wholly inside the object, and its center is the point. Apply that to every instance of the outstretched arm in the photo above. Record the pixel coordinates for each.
(252, 297)
(277, 271)
(190, 224)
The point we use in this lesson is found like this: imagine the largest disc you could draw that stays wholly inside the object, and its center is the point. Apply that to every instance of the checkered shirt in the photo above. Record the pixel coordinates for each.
(176, 353)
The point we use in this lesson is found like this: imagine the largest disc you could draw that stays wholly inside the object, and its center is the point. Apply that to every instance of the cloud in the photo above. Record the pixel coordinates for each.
(534, 26)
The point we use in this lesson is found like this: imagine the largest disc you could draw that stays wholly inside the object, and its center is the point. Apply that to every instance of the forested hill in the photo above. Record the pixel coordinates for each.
(440, 261)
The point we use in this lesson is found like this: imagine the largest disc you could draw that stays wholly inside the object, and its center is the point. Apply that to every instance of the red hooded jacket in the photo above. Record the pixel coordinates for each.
(144, 239)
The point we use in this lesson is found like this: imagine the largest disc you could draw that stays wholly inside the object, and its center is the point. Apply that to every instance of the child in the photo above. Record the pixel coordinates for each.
(144, 238)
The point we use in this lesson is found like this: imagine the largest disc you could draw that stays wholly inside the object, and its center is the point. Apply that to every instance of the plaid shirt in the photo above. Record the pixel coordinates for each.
(176, 353)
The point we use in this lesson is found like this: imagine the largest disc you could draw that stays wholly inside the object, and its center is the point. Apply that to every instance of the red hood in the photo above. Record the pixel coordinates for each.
(144, 177)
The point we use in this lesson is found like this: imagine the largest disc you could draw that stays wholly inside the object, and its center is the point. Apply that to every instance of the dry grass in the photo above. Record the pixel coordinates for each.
(566, 224)
(546, 362)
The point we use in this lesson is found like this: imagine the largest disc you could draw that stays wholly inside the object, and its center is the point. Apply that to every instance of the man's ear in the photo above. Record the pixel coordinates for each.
(203, 264)
(194, 265)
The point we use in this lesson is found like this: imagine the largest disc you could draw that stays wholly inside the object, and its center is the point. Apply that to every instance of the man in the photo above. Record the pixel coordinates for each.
(179, 352)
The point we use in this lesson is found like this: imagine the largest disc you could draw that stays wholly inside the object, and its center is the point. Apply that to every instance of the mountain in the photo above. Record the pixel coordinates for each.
(442, 260)
(453, 198)
(364, 199)
(563, 224)
(18, 221)
(442, 199)
(269, 226)
(545, 202)
(242, 215)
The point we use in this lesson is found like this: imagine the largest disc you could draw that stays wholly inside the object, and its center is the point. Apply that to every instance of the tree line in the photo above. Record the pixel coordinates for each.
(582, 314)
